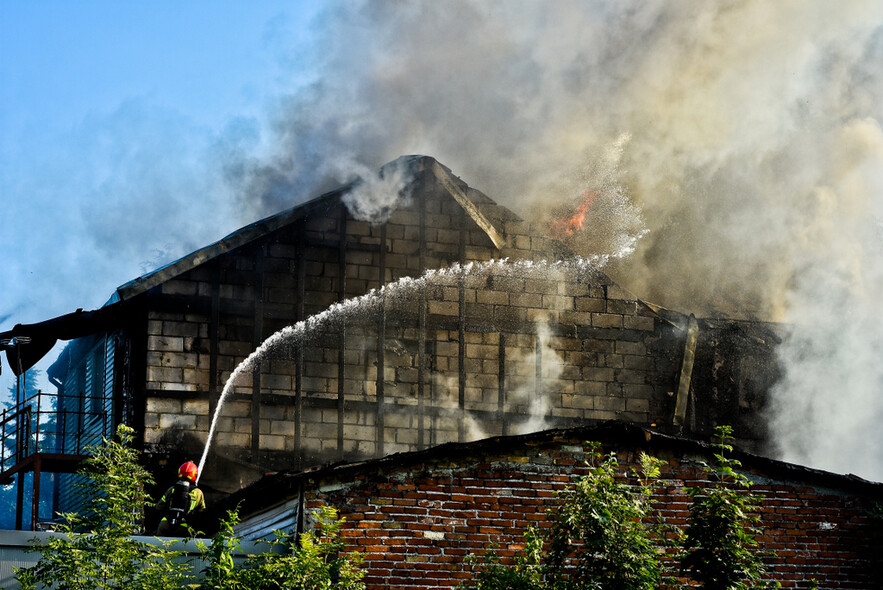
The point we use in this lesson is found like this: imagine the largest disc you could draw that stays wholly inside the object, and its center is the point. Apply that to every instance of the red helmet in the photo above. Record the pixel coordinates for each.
(188, 471)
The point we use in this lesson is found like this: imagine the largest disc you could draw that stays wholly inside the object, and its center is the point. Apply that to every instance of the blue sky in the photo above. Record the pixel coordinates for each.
(96, 96)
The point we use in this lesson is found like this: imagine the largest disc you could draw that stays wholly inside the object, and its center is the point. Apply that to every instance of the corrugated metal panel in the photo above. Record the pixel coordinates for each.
(88, 388)
(107, 390)
(282, 517)
(13, 545)
(85, 413)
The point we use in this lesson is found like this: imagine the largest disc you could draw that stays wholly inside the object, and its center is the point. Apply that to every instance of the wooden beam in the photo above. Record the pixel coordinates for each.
(686, 371)
(300, 279)
(421, 332)
(461, 332)
(448, 182)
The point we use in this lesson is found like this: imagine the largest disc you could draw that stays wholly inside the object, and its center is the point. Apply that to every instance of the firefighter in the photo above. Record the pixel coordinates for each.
(179, 502)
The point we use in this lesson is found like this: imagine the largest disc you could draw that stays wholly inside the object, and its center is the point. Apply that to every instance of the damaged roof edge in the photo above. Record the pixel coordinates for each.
(261, 227)
(276, 488)
(230, 242)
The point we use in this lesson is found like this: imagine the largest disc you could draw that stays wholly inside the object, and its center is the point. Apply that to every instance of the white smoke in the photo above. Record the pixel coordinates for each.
(533, 398)
(828, 407)
(375, 196)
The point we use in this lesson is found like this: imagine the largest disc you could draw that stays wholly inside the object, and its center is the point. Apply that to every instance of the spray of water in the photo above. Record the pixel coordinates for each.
(287, 339)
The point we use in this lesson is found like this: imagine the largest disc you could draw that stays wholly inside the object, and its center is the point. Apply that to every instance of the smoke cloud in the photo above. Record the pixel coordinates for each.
(746, 177)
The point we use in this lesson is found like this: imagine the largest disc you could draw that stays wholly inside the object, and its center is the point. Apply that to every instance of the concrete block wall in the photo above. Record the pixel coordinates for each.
(541, 345)
(415, 524)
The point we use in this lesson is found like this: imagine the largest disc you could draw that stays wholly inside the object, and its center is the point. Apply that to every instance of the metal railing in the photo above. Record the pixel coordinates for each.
(37, 425)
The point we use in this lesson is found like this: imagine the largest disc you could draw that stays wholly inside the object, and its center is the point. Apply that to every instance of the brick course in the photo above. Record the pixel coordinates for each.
(415, 518)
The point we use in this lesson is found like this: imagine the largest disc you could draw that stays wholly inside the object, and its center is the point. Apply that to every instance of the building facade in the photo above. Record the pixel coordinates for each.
(447, 320)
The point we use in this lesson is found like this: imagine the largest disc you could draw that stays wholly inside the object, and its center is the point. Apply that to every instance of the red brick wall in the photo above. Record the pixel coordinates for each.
(416, 524)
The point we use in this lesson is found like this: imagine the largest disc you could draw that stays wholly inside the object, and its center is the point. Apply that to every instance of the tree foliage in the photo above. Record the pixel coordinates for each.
(97, 549)
(311, 562)
(603, 534)
(719, 547)
(599, 538)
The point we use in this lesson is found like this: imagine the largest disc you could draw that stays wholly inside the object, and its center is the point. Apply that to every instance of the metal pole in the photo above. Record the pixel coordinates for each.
(35, 506)
(19, 499)
(37, 431)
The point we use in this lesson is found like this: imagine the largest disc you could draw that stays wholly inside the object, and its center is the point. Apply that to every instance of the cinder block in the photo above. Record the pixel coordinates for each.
(590, 388)
(237, 409)
(492, 297)
(641, 363)
(165, 343)
(579, 318)
(235, 440)
(606, 320)
(637, 405)
(621, 307)
(444, 308)
(638, 323)
(578, 401)
(617, 292)
(635, 348)
(197, 407)
(179, 287)
(558, 302)
(526, 299)
(271, 442)
(631, 376)
(276, 382)
(180, 329)
(162, 405)
(197, 378)
(177, 420)
(353, 432)
(612, 404)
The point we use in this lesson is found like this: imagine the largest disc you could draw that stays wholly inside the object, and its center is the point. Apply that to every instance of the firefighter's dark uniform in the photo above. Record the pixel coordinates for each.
(180, 501)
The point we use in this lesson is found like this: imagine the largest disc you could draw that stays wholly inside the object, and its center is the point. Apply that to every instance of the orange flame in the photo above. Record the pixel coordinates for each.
(567, 226)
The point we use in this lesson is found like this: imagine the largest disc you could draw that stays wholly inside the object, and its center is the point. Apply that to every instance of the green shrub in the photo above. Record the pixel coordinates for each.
(98, 551)
(719, 545)
(310, 562)
(599, 537)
